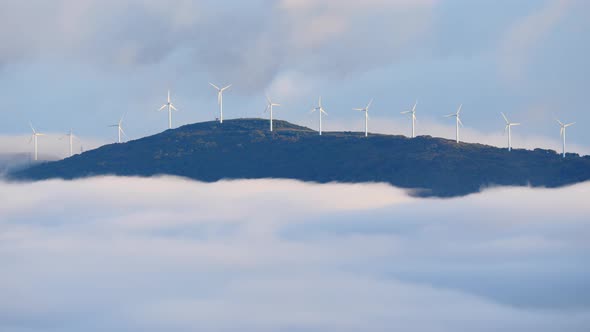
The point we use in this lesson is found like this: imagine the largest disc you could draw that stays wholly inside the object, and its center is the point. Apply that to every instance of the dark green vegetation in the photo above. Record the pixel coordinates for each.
(245, 149)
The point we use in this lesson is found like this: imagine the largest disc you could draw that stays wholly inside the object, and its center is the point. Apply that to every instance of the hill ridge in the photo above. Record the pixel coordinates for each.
(245, 148)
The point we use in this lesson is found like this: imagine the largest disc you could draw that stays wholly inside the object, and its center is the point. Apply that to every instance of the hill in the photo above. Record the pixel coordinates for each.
(245, 149)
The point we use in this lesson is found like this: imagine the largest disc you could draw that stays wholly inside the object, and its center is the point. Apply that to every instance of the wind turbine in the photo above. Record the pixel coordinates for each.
(119, 126)
(458, 122)
(220, 99)
(366, 110)
(413, 112)
(34, 138)
(269, 107)
(320, 110)
(70, 137)
(562, 132)
(508, 129)
(170, 107)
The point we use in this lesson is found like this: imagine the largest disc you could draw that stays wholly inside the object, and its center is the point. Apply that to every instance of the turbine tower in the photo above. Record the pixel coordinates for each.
(458, 122)
(119, 129)
(34, 137)
(366, 110)
(269, 107)
(562, 132)
(220, 99)
(508, 129)
(321, 111)
(170, 107)
(413, 112)
(70, 137)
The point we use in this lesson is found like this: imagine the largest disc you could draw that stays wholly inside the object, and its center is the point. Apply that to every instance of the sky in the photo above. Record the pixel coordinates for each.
(170, 254)
(167, 254)
(82, 65)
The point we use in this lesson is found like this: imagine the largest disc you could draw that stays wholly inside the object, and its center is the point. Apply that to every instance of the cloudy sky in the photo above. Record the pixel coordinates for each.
(83, 64)
(166, 254)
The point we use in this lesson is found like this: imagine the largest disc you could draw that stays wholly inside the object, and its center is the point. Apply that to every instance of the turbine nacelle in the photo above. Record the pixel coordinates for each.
(456, 114)
(319, 108)
(564, 126)
(364, 109)
(220, 99)
(412, 111)
(35, 133)
(270, 104)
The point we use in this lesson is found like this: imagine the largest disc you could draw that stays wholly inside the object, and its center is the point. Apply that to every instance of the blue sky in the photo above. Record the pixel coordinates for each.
(72, 64)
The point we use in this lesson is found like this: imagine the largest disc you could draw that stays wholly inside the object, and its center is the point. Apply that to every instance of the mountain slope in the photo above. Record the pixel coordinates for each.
(245, 148)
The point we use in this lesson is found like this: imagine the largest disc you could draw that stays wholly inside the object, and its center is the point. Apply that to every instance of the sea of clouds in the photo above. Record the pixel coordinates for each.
(169, 254)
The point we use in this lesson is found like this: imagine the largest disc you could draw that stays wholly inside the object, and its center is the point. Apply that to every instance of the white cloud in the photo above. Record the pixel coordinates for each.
(166, 254)
(263, 38)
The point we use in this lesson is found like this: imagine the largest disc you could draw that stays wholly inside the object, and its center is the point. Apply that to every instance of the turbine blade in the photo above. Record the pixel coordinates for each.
(461, 123)
(504, 116)
(515, 124)
(32, 128)
(460, 108)
(450, 115)
(358, 109)
(406, 112)
(570, 124)
(227, 87)
(163, 107)
(414, 108)
(278, 105)
(172, 106)
(215, 86)
(560, 123)
(370, 103)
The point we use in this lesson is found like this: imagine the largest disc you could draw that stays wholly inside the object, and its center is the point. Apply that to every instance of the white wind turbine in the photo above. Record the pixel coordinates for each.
(413, 112)
(321, 111)
(508, 129)
(170, 107)
(220, 99)
(34, 137)
(70, 137)
(366, 110)
(269, 107)
(120, 131)
(562, 132)
(458, 122)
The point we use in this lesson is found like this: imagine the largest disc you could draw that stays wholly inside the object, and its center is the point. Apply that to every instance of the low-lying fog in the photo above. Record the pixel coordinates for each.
(168, 254)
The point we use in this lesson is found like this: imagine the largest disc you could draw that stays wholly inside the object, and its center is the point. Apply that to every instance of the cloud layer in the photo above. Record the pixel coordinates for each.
(166, 254)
